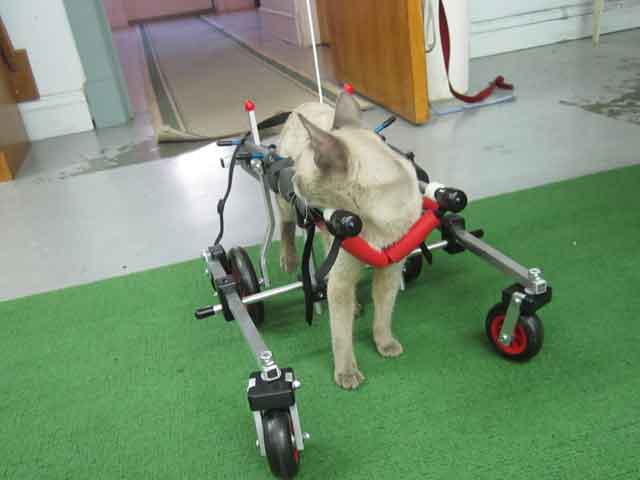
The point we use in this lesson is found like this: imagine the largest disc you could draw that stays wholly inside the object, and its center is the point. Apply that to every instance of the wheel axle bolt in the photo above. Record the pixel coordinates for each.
(296, 384)
(266, 356)
(535, 273)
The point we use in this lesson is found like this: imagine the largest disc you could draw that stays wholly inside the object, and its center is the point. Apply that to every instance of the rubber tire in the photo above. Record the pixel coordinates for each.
(283, 457)
(530, 327)
(244, 274)
(412, 268)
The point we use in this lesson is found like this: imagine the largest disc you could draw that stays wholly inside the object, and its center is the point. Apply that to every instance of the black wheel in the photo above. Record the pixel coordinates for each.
(248, 284)
(527, 339)
(283, 456)
(412, 268)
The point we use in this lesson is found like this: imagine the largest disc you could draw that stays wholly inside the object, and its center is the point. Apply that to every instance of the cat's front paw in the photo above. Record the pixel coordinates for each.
(349, 380)
(288, 262)
(389, 347)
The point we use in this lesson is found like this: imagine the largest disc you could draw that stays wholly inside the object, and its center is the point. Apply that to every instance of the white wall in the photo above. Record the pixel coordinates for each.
(498, 26)
(279, 19)
(42, 27)
(288, 20)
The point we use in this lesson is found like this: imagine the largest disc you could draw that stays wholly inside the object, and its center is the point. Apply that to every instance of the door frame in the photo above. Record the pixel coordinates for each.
(105, 88)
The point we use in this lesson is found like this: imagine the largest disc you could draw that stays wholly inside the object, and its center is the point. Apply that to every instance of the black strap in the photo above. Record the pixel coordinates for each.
(427, 253)
(274, 121)
(223, 201)
(274, 170)
(307, 286)
(322, 273)
(270, 122)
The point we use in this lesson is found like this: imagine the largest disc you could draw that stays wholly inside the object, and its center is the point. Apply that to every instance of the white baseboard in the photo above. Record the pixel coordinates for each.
(56, 115)
(543, 27)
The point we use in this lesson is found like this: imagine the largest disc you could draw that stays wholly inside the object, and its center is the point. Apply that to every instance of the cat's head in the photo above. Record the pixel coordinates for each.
(351, 167)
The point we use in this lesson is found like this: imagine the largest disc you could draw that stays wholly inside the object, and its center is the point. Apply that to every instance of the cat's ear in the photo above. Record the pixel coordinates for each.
(348, 113)
(330, 153)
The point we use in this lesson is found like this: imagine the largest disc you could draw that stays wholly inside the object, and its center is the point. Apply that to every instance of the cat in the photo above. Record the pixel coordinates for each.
(341, 164)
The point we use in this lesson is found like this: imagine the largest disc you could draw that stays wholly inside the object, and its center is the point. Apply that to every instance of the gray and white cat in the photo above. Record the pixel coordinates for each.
(341, 164)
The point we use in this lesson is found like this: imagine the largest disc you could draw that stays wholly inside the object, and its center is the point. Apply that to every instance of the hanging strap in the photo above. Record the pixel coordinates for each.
(325, 268)
(445, 39)
(307, 284)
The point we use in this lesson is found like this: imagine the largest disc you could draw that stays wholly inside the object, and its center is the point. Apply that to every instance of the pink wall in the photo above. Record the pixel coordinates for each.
(143, 9)
(116, 13)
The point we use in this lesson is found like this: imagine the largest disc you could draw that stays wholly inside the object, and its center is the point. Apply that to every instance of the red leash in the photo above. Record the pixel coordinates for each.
(446, 51)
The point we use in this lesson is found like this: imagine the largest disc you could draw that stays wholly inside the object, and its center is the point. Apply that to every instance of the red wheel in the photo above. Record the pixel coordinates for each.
(527, 337)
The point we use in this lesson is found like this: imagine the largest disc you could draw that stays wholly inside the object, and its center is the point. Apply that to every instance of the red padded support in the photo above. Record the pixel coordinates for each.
(414, 237)
(363, 251)
(360, 248)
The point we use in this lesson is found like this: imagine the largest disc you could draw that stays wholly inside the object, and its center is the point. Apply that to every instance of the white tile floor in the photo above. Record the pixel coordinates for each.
(92, 206)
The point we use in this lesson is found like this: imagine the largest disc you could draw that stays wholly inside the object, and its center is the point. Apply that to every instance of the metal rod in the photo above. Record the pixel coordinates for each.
(533, 283)
(505, 336)
(268, 238)
(312, 30)
(434, 246)
(257, 418)
(242, 317)
(297, 428)
(262, 296)
(274, 292)
(247, 327)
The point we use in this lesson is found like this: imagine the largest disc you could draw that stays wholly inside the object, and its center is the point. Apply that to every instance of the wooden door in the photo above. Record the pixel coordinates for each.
(322, 13)
(14, 86)
(378, 46)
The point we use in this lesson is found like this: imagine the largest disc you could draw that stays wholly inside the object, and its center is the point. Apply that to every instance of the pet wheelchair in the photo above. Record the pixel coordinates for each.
(512, 325)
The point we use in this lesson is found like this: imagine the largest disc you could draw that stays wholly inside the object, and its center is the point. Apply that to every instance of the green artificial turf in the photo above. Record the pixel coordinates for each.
(117, 380)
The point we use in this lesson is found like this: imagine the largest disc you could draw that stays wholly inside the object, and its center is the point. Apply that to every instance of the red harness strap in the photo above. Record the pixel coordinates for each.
(363, 251)
(446, 51)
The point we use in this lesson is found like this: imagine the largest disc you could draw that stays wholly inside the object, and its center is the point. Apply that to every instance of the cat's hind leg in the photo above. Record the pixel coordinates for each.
(288, 254)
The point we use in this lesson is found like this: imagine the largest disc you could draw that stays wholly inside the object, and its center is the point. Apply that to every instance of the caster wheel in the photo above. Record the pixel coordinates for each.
(248, 284)
(527, 339)
(412, 268)
(283, 456)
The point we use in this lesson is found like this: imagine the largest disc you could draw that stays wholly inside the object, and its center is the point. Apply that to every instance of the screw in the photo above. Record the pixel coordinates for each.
(206, 272)
(296, 384)
(306, 436)
(535, 273)
(258, 444)
(266, 355)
